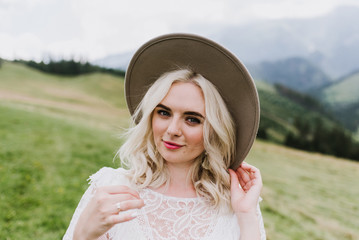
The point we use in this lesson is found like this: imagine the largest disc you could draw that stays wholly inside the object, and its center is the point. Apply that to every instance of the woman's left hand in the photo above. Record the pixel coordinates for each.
(244, 199)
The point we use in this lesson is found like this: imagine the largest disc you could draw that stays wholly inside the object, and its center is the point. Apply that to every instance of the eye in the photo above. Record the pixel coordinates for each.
(193, 120)
(163, 113)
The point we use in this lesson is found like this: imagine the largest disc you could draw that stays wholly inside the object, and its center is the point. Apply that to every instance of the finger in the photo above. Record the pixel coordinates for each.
(129, 204)
(119, 197)
(234, 178)
(248, 186)
(234, 182)
(254, 185)
(125, 203)
(106, 200)
(240, 179)
(253, 171)
(119, 189)
(122, 217)
(244, 174)
(246, 166)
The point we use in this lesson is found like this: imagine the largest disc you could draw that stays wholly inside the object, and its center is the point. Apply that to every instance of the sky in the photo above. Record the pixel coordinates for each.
(93, 29)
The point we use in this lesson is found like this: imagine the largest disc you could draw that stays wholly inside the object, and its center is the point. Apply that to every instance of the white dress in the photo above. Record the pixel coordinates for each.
(163, 217)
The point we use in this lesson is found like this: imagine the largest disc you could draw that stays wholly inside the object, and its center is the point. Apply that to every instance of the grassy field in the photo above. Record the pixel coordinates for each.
(52, 140)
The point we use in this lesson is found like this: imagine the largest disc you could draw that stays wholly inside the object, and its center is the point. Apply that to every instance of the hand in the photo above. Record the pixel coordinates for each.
(102, 212)
(244, 199)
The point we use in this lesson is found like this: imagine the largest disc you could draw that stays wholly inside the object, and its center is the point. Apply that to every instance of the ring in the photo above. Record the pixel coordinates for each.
(118, 205)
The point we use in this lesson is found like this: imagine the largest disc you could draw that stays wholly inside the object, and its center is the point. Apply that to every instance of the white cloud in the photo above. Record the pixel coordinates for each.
(26, 46)
(95, 28)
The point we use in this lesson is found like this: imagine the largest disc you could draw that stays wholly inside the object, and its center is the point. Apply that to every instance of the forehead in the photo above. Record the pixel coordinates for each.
(186, 97)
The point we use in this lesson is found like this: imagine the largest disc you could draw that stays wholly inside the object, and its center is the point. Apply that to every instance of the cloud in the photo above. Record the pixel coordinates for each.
(95, 28)
(25, 46)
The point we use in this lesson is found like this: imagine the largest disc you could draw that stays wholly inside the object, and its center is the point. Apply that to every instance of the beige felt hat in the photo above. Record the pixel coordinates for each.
(212, 61)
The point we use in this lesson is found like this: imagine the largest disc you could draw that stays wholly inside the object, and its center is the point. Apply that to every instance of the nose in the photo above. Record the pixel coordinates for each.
(174, 127)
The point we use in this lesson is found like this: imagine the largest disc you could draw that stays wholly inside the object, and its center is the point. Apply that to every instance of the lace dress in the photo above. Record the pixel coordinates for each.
(163, 217)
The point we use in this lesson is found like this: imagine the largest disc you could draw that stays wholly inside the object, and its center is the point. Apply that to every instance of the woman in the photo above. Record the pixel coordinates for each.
(191, 126)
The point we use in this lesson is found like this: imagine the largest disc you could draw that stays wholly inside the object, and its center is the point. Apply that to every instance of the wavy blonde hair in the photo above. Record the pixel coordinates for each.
(209, 171)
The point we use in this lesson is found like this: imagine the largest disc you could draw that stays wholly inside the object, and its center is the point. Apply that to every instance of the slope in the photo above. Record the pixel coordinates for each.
(343, 97)
(47, 153)
(96, 98)
(279, 112)
(343, 92)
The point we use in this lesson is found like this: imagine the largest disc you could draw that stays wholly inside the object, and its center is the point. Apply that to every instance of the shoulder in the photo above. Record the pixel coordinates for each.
(107, 176)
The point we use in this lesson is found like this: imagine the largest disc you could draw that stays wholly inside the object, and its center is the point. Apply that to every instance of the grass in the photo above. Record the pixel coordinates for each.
(307, 196)
(48, 151)
(44, 164)
(96, 99)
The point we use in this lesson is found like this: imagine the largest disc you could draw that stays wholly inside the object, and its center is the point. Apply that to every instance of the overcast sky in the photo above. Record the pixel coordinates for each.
(92, 29)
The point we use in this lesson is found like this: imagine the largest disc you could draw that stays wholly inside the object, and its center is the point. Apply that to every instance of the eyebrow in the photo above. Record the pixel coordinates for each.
(186, 113)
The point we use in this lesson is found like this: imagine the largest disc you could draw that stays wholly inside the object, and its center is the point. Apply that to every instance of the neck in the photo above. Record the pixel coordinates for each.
(180, 183)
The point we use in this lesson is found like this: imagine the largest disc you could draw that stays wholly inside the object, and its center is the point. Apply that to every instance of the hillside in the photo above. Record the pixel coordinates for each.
(97, 98)
(279, 112)
(343, 97)
(343, 92)
(54, 134)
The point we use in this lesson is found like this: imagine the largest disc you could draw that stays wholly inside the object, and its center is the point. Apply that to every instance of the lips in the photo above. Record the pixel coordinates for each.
(172, 145)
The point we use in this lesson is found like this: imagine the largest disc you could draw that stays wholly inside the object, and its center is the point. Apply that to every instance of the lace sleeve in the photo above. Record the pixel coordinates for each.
(103, 177)
(261, 223)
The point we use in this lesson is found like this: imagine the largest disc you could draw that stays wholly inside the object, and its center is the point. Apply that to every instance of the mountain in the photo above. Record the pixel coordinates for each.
(331, 41)
(115, 61)
(296, 73)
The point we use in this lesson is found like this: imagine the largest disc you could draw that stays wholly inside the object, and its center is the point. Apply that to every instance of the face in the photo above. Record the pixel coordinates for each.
(177, 124)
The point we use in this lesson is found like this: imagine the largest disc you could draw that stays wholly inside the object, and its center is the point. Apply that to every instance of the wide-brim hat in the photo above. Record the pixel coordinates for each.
(212, 61)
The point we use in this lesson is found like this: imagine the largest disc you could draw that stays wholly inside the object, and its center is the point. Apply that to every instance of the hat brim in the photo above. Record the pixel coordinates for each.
(212, 61)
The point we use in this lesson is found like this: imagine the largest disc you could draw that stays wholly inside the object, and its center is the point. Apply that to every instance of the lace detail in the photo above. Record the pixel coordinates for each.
(165, 217)
(261, 223)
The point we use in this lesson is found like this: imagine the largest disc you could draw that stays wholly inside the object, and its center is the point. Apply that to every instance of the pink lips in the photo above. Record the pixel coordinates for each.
(171, 145)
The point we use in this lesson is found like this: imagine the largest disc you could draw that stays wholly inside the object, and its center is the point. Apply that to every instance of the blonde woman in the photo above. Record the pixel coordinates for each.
(192, 129)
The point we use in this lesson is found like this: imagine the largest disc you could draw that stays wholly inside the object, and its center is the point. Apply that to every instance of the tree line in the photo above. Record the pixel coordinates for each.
(69, 67)
(318, 137)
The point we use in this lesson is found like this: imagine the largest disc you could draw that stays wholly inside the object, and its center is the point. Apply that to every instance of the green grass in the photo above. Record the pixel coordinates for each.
(96, 98)
(47, 151)
(44, 164)
(307, 196)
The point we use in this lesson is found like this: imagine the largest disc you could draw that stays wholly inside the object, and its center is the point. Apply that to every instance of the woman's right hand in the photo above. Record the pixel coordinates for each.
(102, 211)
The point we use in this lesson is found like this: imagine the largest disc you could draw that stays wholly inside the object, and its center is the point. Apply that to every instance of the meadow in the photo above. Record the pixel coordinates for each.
(56, 131)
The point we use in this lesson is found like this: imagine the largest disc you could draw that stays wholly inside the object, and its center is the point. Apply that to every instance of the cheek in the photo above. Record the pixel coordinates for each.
(157, 127)
(197, 138)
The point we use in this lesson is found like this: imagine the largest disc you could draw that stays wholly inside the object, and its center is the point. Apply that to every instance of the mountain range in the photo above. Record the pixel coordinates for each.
(317, 56)
(330, 42)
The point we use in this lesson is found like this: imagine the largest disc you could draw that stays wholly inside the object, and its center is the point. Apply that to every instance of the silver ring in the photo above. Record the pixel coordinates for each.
(118, 205)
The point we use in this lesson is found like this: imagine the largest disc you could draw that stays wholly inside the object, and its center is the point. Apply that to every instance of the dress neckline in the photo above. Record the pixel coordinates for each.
(185, 199)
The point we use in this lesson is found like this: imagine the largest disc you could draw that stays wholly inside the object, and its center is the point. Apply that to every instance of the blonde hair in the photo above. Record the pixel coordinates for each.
(209, 171)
